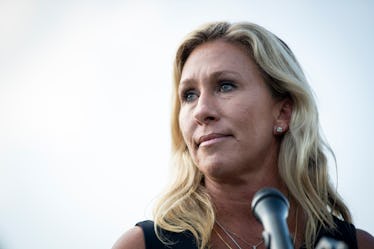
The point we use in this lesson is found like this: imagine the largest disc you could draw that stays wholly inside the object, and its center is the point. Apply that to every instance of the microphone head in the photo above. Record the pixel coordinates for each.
(270, 207)
(271, 197)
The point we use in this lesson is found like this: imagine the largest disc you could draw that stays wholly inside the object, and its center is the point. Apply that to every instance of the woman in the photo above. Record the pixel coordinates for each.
(244, 118)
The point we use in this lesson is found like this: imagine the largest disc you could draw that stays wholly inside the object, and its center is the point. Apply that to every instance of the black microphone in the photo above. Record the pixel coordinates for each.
(270, 207)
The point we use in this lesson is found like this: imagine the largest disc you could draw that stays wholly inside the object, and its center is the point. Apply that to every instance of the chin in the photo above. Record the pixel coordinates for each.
(216, 169)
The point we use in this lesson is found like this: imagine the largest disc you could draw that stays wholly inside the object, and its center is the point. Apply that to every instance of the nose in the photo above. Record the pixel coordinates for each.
(206, 109)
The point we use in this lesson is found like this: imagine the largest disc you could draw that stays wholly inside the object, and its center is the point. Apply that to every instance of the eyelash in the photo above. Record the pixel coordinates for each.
(223, 83)
(186, 93)
(219, 88)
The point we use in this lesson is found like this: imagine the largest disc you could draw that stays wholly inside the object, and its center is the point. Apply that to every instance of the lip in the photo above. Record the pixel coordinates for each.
(210, 139)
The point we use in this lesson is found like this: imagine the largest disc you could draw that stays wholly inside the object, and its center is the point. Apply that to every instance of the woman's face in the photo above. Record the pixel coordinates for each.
(227, 114)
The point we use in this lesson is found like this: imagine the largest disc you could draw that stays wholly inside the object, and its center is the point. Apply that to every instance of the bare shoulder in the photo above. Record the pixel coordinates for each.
(132, 239)
(364, 239)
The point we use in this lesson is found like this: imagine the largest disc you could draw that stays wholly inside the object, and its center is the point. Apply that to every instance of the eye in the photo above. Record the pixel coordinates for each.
(226, 86)
(189, 95)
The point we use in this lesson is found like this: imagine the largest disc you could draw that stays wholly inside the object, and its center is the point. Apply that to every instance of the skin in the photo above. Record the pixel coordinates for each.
(228, 119)
(226, 104)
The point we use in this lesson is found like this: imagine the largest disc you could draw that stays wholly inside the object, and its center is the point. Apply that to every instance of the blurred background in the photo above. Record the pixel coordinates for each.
(85, 103)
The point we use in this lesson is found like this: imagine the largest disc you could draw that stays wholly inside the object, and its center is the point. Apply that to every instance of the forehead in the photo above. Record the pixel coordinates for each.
(214, 57)
(232, 52)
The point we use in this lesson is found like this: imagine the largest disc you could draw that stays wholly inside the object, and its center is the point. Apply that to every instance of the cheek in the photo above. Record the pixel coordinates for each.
(255, 121)
(245, 115)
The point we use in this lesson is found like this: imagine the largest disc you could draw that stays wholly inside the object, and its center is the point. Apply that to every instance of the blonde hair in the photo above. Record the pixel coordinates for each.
(302, 161)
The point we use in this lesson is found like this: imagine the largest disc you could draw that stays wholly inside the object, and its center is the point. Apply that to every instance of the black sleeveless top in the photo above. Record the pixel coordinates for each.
(345, 232)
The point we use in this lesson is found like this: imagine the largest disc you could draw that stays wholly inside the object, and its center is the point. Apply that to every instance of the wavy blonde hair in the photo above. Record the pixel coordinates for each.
(302, 161)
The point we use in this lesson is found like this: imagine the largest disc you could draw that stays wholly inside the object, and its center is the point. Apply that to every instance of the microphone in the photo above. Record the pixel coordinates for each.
(270, 207)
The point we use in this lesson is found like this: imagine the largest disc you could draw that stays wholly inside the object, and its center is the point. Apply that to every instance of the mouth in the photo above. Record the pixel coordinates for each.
(210, 139)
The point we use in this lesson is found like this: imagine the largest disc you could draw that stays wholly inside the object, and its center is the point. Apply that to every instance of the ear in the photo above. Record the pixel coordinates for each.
(282, 116)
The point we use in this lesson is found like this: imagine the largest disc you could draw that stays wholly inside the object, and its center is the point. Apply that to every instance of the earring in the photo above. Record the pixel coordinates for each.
(279, 129)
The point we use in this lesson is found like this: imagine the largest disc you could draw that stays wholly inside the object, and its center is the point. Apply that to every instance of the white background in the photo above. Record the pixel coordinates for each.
(85, 102)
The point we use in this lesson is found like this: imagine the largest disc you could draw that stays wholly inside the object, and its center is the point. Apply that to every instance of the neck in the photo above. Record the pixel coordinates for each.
(234, 195)
(232, 202)
(233, 212)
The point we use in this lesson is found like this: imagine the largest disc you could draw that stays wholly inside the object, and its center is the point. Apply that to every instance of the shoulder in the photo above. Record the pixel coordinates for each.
(132, 239)
(143, 236)
(343, 231)
(364, 239)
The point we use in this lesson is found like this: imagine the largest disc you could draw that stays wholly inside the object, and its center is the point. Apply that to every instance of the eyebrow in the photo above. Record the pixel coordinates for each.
(213, 75)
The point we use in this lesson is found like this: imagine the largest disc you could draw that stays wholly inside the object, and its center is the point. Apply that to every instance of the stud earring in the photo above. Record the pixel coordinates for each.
(279, 129)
